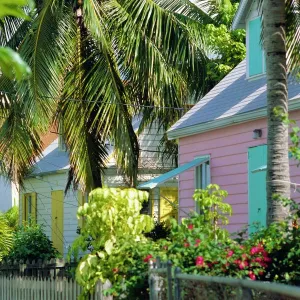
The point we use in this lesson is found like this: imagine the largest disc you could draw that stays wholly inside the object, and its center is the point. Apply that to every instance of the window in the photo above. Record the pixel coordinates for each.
(29, 208)
(202, 177)
(255, 53)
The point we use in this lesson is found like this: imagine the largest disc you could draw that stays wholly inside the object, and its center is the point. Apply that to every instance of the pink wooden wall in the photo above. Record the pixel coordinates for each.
(228, 148)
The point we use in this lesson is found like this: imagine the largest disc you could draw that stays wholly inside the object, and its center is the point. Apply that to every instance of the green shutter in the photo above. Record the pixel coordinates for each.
(257, 203)
(255, 62)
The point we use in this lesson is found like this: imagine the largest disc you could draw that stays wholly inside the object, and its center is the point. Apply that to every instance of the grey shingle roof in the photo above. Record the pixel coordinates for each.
(233, 95)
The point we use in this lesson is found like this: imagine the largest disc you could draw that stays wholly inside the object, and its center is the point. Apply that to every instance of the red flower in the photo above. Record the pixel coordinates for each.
(258, 259)
(263, 264)
(230, 253)
(115, 270)
(198, 241)
(252, 275)
(261, 273)
(190, 226)
(264, 253)
(200, 261)
(186, 245)
(237, 261)
(243, 265)
(267, 259)
(244, 256)
(147, 258)
(254, 250)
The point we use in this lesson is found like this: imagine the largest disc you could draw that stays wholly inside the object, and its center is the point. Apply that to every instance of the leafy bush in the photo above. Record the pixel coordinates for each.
(199, 245)
(113, 228)
(30, 242)
(12, 217)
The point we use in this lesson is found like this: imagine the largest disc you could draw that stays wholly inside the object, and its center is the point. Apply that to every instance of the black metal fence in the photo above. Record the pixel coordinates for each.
(167, 282)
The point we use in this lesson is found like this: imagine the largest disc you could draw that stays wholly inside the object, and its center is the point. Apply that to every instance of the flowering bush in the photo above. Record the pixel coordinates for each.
(199, 245)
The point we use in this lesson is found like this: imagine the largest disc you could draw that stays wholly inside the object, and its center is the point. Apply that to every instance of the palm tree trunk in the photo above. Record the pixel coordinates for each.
(277, 99)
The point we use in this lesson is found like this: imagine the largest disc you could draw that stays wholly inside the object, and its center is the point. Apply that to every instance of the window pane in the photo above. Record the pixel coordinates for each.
(255, 50)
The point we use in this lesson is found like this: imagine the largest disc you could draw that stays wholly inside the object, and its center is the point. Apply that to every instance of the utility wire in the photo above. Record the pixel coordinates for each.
(102, 102)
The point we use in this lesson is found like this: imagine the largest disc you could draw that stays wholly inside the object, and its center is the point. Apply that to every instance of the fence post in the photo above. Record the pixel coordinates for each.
(246, 294)
(176, 284)
(169, 280)
(150, 280)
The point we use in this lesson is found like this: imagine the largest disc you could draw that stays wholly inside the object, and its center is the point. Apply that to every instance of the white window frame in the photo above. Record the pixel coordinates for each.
(202, 171)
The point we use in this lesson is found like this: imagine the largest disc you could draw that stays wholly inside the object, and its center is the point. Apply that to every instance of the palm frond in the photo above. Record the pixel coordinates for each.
(293, 35)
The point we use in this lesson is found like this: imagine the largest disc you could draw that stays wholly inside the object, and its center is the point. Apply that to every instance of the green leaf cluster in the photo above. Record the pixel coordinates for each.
(11, 63)
(29, 242)
(114, 226)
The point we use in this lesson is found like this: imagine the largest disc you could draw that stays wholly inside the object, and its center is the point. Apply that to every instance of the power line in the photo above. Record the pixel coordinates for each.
(102, 102)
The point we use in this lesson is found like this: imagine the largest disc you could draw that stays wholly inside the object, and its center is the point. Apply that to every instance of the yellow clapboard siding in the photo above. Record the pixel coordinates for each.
(57, 219)
(168, 210)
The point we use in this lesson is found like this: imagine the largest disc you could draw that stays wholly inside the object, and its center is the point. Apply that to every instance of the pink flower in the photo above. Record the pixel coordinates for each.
(264, 253)
(190, 226)
(243, 265)
(244, 256)
(198, 241)
(230, 253)
(254, 250)
(237, 261)
(252, 275)
(147, 258)
(258, 259)
(261, 273)
(263, 264)
(267, 259)
(186, 245)
(200, 261)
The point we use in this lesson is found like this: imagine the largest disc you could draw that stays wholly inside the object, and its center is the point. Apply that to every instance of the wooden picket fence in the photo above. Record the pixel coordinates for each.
(33, 288)
(43, 280)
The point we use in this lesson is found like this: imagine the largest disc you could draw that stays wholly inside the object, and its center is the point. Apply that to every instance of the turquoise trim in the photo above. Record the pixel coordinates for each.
(164, 177)
(255, 51)
(257, 198)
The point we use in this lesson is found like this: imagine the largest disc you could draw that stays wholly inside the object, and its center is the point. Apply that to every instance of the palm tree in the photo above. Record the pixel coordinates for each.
(95, 64)
(281, 41)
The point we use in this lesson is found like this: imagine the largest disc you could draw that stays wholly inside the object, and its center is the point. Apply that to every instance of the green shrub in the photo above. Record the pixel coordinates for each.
(198, 245)
(12, 217)
(30, 242)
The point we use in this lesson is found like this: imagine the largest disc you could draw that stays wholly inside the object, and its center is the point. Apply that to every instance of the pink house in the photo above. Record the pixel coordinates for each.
(222, 139)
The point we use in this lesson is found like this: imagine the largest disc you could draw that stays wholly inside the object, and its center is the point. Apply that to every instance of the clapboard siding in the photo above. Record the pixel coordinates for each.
(228, 149)
(43, 187)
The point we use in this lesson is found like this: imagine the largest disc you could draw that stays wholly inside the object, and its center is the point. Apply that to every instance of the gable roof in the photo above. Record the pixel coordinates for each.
(53, 159)
(240, 16)
(234, 99)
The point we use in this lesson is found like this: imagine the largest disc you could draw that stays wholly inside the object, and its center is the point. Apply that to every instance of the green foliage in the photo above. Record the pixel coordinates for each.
(117, 61)
(196, 245)
(6, 237)
(30, 242)
(11, 63)
(115, 227)
(213, 210)
(12, 217)
(226, 46)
